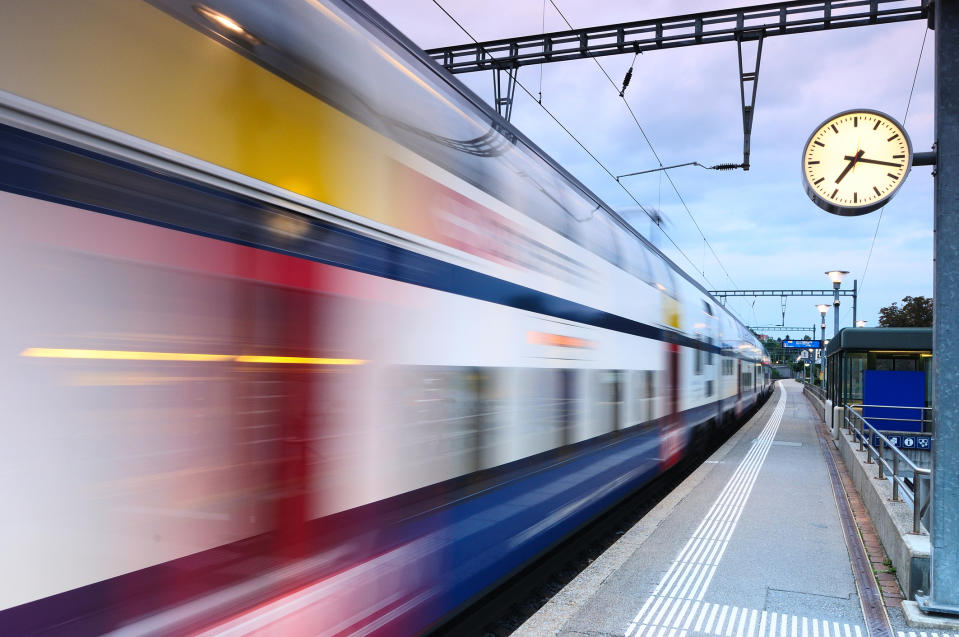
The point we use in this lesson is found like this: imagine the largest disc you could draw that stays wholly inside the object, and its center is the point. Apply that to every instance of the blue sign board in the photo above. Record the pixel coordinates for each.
(802, 344)
(905, 389)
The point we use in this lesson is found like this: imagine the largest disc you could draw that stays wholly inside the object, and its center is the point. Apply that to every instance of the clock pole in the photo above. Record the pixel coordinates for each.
(943, 594)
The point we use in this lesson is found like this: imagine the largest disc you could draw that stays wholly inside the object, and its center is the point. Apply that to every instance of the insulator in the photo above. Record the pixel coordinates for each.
(629, 76)
(725, 166)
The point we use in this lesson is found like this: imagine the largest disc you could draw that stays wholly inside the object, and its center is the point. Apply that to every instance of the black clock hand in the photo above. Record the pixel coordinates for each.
(852, 162)
(874, 161)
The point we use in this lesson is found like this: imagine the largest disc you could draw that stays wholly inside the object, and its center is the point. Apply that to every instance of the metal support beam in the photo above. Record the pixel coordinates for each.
(728, 25)
(835, 311)
(504, 100)
(748, 83)
(855, 288)
(943, 594)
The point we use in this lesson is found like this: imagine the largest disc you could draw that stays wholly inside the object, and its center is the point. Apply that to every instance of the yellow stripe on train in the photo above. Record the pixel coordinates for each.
(131, 67)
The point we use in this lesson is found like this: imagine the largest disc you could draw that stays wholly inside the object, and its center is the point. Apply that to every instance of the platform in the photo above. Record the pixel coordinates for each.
(751, 544)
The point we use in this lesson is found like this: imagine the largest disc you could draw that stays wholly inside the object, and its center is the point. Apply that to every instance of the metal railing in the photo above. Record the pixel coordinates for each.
(864, 432)
(926, 419)
(815, 390)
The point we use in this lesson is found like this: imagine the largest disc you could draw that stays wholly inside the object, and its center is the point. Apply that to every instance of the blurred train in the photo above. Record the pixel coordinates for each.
(300, 337)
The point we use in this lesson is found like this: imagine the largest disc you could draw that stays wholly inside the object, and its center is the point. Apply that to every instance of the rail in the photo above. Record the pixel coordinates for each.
(864, 432)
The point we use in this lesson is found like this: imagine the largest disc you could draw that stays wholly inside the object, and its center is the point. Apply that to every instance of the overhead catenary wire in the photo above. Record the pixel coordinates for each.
(540, 100)
(655, 154)
(576, 139)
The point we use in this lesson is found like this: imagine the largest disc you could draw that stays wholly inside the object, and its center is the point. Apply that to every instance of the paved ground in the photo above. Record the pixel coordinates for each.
(749, 545)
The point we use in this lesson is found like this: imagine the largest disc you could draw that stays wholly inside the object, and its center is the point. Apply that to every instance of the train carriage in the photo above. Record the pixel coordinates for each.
(301, 337)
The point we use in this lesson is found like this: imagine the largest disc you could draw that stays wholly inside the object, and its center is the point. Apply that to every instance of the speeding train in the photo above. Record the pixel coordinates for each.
(300, 337)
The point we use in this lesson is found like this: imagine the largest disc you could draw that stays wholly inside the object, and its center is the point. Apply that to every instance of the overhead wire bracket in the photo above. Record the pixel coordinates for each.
(504, 100)
(748, 83)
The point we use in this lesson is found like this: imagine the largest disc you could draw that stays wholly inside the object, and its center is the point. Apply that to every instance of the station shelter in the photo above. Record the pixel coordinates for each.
(883, 367)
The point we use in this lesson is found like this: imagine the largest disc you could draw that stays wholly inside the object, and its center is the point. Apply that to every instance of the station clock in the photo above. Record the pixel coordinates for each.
(855, 161)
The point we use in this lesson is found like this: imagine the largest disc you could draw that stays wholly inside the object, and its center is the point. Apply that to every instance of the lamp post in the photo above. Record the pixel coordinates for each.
(836, 277)
(823, 308)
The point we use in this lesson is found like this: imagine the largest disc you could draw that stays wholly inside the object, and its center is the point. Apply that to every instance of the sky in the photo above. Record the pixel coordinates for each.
(760, 223)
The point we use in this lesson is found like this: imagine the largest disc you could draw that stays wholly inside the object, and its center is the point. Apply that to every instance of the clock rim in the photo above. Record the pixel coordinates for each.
(846, 210)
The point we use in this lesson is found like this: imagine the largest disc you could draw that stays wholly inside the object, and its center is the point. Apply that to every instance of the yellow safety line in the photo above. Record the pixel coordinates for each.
(125, 355)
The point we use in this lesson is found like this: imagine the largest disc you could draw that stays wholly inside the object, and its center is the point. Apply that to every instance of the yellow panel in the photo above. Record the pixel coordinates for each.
(131, 67)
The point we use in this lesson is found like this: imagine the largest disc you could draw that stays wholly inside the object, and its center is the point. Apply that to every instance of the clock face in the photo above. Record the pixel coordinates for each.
(855, 161)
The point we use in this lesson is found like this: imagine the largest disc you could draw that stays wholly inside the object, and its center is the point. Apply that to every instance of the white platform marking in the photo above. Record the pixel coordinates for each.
(690, 574)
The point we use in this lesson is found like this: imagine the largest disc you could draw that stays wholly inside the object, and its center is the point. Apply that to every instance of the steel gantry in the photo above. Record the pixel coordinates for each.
(742, 25)
(781, 328)
(835, 293)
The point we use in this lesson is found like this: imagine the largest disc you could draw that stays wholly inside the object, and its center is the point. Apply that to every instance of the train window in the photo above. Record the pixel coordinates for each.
(437, 424)
(698, 359)
(659, 274)
(709, 354)
(609, 399)
(709, 388)
(651, 392)
(643, 394)
(634, 256)
(601, 238)
(571, 403)
(542, 410)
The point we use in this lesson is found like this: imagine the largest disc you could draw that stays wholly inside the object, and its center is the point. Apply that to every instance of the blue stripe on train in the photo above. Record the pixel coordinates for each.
(39, 167)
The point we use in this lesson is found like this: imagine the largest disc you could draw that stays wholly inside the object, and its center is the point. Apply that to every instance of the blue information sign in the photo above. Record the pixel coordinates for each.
(802, 344)
(908, 441)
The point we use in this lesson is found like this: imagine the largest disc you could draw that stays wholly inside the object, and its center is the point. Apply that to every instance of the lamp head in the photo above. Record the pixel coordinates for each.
(823, 308)
(860, 323)
(836, 276)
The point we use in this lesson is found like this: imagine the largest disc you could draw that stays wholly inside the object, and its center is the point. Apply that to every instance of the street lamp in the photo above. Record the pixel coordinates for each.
(860, 324)
(823, 308)
(836, 277)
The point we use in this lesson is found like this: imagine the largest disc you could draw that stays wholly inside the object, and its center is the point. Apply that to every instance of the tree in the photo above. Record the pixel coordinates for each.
(916, 311)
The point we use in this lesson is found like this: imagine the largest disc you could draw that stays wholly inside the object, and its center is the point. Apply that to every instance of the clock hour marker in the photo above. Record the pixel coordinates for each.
(876, 190)
(818, 143)
(876, 126)
(813, 162)
(893, 137)
(855, 197)
(896, 177)
(836, 130)
(818, 181)
(855, 121)
(833, 195)
(898, 156)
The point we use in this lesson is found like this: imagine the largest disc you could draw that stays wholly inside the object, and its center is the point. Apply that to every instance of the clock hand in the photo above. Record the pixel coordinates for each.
(852, 162)
(874, 161)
